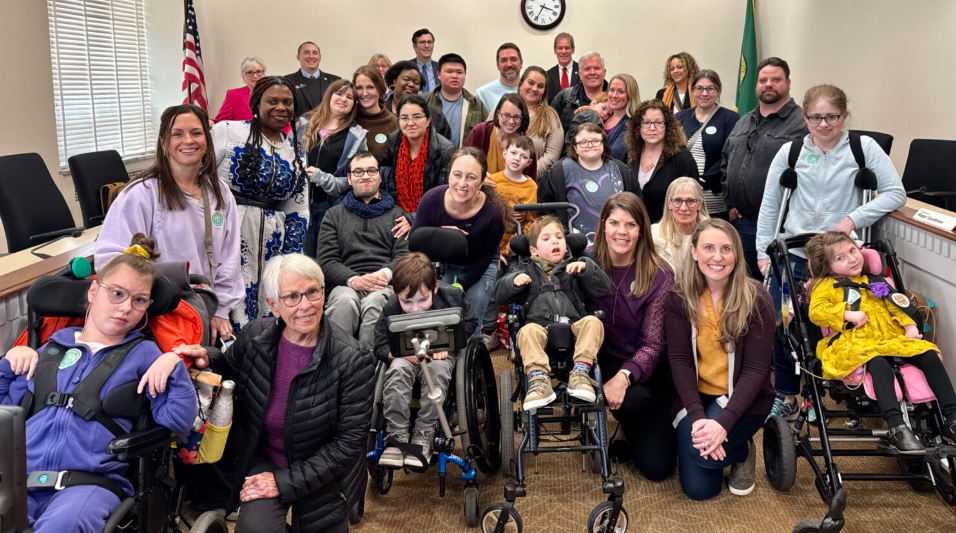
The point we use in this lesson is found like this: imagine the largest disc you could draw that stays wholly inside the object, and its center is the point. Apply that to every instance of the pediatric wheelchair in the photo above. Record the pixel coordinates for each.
(155, 504)
(469, 411)
(782, 444)
(566, 425)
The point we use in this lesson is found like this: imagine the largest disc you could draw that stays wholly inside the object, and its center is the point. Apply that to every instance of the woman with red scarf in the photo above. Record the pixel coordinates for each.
(416, 156)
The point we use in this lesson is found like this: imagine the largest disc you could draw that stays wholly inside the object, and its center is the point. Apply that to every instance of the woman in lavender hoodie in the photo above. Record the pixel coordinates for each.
(180, 202)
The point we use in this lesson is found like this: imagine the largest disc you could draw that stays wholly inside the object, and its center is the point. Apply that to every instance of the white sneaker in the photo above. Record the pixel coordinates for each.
(393, 457)
(424, 442)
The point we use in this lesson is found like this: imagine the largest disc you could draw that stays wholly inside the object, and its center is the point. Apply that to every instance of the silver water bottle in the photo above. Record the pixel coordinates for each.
(221, 413)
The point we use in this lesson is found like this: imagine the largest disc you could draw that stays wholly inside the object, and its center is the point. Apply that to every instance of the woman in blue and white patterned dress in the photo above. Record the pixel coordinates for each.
(264, 169)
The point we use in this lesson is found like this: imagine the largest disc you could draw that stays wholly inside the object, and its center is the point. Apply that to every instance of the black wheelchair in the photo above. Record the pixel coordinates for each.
(155, 504)
(469, 411)
(566, 425)
(783, 443)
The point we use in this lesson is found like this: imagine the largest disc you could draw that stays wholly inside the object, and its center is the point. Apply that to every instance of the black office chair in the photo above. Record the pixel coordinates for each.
(885, 140)
(31, 207)
(929, 175)
(90, 173)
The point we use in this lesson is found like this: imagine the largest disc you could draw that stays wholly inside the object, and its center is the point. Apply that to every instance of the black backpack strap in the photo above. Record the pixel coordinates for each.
(865, 177)
(796, 146)
(856, 146)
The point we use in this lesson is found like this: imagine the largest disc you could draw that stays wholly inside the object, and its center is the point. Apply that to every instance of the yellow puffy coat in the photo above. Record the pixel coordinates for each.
(882, 335)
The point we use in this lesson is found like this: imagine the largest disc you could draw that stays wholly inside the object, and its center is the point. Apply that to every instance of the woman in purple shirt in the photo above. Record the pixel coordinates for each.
(476, 210)
(637, 379)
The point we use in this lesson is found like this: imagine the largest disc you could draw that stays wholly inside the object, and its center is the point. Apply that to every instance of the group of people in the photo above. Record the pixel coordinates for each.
(298, 202)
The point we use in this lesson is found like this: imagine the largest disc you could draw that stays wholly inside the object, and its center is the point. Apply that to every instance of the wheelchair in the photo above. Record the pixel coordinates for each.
(469, 411)
(155, 504)
(783, 443)
(566, 425)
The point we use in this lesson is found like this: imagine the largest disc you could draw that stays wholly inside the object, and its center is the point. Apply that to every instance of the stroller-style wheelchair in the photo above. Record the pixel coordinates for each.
(782, 444)
(469, 411)
(156, 502)
(567, 424)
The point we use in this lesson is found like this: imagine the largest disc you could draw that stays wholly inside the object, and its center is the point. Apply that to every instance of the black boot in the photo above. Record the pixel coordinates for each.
(903, 439)
(948, 431)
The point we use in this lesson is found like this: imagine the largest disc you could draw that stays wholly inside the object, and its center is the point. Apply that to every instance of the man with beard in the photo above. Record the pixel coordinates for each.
(751, 147)
(460, 109)
(509, 70)
(592, 83)
(359, 242)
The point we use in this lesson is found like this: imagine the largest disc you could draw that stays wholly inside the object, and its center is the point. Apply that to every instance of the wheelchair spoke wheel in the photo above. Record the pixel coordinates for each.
(489, 519)
(808, 526)
(477, 404)
(506, 406)
(779, 453)
(598, 520)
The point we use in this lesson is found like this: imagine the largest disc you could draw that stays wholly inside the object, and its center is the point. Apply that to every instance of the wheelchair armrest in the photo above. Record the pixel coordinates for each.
(137, 443)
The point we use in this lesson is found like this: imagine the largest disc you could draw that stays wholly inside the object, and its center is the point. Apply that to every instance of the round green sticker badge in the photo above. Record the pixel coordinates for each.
(710, 130)
(813, 159)
(381, 138)
(217, 219)
(70, 358)
(591, 186)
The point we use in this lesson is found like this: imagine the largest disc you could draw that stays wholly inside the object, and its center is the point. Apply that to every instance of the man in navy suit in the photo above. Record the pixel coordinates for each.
(310, 82)
(565, 73)
(424, 44)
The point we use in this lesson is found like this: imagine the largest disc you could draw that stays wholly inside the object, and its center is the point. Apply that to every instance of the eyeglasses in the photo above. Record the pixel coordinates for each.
(359, 172)
(293, 298)
(691, 202)
(406, 118)
(816, 119)
(117, 296)
(588, 144)
(657, 124)
(508, 117)
(709, 90)
(251, 73)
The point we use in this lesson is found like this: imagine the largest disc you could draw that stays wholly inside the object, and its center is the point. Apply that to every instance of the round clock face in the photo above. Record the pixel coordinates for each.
(543, 14)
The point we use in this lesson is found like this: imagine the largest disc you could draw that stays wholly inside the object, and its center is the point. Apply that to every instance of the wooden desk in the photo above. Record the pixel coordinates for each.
(19, 270)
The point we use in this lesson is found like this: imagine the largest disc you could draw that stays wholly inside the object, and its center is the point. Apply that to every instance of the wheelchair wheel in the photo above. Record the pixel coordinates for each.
(210, 522)
(471, 505)
(915, 466)
(944, 472)
(506, 406)
(601, 514)
(779, 453)
(357, 511)
(477, 404)
(489, 519)
(811, 525)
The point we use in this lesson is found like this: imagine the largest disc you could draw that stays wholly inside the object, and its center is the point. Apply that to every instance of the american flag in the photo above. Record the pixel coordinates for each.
(194, 82)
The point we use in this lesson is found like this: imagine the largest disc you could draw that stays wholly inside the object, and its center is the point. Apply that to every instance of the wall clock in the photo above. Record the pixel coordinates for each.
(543, 14)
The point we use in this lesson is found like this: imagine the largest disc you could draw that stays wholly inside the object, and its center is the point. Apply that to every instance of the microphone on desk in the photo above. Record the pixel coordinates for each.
(915, 191)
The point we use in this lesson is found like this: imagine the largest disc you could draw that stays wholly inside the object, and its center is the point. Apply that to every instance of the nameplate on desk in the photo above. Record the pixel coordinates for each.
(936, 219)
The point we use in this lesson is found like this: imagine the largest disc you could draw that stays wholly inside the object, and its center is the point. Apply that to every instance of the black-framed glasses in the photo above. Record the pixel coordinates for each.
(831, 119)
(508, 117)
(651, 125)
(119, 295)
(711, 89)
(690, 202)
(359, 172)
(589, 143)
(293, 298)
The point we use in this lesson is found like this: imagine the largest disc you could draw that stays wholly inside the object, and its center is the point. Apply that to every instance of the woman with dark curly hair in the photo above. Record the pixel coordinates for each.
(264, 169)
(678, 71)
(657, 152)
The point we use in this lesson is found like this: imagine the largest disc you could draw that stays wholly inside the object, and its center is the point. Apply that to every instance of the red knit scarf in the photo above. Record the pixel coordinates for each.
(410, 175)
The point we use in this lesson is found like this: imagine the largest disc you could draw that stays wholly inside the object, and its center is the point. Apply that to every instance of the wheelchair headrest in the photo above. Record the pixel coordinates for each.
(441, 245)
(576, 244)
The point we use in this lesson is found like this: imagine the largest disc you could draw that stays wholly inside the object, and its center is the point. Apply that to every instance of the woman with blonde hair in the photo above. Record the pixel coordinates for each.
(678, 71)
(331, 138)
(545, 128)
(720, 329)
(685, 209)
(381, 62)
(623, 97)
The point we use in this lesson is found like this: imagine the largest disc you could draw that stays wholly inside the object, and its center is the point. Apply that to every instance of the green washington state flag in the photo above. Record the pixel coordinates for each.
(747, 78)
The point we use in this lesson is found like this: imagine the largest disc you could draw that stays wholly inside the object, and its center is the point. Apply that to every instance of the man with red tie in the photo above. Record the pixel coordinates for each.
(565, 73)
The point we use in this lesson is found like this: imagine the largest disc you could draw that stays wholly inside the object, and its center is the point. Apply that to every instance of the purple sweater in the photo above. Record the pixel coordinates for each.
(291, 359)
(634, 332)
(485, 230)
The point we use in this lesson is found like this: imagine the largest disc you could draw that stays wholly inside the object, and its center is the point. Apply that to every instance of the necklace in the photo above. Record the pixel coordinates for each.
(617, 291)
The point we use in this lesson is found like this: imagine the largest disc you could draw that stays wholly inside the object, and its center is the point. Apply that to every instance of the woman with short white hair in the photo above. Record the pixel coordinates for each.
(303, 393)
(235, 106)
(685, 209)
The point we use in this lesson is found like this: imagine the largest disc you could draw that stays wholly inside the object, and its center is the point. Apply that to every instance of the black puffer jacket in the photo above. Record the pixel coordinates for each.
(326, 423)
(436, 166)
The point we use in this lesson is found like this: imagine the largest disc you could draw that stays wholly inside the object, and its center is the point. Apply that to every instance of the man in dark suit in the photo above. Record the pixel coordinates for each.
(424, 44)
(310, 82)
(565, 73)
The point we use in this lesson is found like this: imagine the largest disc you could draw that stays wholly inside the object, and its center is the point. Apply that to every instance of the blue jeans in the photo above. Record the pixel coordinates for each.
(702, 478)
(785, 380)
(747, 229)
(478, 294)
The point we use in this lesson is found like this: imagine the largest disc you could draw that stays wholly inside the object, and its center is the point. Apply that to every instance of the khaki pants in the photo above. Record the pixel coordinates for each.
(588, 335)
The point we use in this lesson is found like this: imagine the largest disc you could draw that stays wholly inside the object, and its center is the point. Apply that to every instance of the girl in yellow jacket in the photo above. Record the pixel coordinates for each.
(867, 327)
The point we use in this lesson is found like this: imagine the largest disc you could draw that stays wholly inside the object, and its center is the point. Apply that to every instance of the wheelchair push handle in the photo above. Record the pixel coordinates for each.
(551, 206)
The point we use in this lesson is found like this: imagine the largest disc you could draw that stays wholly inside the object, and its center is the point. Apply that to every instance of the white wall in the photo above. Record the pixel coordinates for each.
(892, 57)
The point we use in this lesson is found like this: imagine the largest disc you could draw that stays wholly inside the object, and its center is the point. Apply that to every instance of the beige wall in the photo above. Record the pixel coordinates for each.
(884, 53)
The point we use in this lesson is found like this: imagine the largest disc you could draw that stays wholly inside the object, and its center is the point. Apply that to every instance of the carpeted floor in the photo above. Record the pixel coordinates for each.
(561, 495)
